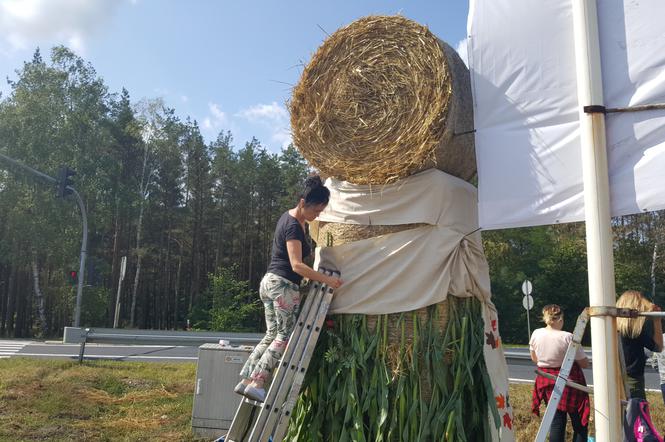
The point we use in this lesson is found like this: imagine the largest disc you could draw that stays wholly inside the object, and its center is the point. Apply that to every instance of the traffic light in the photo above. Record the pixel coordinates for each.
(64, 181)
(73, 277)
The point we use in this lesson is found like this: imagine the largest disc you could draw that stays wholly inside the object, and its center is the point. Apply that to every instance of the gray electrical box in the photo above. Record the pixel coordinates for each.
(217, 373)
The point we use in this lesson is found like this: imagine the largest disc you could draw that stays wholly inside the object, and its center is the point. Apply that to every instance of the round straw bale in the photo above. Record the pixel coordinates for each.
(381, 99)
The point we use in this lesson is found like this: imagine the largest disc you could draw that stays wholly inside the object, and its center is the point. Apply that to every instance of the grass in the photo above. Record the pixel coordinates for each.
(101, 401)
(526, 424)
(125, 401)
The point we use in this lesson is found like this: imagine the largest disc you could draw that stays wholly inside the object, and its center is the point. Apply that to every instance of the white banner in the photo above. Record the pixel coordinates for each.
(522, 64)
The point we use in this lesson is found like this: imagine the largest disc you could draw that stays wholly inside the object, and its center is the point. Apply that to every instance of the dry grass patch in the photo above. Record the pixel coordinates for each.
(64, 401)
(526, 424)
(127, 401)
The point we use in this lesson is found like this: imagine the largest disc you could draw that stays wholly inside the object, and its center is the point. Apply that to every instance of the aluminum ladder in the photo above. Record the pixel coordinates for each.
(268, 421)
(569, 359)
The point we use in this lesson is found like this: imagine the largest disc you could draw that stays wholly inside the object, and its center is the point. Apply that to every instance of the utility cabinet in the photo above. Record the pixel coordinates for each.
(217, 373)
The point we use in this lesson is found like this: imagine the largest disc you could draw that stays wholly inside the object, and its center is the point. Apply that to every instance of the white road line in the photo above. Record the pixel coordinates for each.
(531, 381)
(520, 381)
(87, 356)
(11, 348)
(95, 344)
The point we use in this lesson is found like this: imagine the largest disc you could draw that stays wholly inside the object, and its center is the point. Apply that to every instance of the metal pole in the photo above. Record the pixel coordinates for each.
(597, 213)
(528, 322)
(84, 218)
(43, 176)
(84, 251)
(121, 277)
(116, 316)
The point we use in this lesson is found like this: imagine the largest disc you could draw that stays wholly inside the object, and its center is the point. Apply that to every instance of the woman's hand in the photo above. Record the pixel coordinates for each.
(333, 282)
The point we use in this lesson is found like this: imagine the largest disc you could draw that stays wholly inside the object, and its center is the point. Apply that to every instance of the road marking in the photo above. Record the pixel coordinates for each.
(11, 348)
(88, 356)
(531, 381)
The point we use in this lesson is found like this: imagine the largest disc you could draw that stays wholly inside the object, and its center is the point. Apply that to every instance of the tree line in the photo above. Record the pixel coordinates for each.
(180, 209)
(195, 219)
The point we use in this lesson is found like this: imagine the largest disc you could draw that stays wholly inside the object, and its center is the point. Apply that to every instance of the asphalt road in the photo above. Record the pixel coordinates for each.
(141, 353)
(520, 367)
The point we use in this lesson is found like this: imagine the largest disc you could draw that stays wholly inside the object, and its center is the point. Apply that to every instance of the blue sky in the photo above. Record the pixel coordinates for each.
(230, 65)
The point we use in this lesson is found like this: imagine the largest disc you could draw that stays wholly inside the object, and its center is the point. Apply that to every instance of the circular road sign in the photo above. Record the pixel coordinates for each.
(527, 302)
(527, 287)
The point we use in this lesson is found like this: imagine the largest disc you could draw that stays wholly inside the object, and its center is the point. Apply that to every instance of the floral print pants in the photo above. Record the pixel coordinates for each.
(281, 300)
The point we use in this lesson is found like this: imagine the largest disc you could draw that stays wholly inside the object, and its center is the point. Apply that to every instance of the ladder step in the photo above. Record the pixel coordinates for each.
(253, 403)
(275, 424)
(274, 413)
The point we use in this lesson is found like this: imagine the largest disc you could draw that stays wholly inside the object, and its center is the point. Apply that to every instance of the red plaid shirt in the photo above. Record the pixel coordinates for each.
(572, 400)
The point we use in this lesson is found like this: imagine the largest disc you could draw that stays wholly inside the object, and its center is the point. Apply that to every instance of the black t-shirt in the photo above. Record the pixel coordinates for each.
(288, 228)
(633, 350)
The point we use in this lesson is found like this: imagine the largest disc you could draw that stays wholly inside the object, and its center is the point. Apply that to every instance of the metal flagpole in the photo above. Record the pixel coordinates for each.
(597, 213)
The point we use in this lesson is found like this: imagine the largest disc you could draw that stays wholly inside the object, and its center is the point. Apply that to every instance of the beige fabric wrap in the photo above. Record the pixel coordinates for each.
(414, 268)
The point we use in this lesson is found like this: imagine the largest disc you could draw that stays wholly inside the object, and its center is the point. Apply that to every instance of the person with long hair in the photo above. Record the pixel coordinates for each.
(280, 287)
(548, 346)
(637, 334)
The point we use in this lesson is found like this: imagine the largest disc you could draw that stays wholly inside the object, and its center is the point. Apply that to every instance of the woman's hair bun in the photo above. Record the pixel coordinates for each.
(314, 181)
(314, 191)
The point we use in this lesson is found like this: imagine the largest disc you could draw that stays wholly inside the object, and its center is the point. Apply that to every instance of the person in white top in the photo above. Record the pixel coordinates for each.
(548, 346)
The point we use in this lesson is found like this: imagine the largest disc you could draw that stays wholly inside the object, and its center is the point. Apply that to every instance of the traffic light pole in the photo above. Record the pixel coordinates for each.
(84, 251)
(84, 219)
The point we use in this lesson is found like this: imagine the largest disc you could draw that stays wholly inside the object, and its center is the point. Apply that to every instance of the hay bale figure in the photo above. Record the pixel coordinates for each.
(383, 99)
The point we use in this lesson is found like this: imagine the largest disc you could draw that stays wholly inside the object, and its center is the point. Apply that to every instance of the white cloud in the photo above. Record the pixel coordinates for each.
(28, 23)
(265, 112)
(216, 120)
(184, 98)
(462, 51)
(218, 115)
(272, 116)
(162, 92)
(283, 137)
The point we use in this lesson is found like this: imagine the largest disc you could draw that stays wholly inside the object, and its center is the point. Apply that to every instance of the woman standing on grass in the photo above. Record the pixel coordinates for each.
(548, 347)
(636, 335)
(280, 287)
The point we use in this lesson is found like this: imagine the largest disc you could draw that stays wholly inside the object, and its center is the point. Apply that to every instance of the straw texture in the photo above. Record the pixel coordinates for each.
(382, 99)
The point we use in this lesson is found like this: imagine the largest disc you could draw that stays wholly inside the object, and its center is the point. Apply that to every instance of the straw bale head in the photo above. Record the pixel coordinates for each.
(381, 99)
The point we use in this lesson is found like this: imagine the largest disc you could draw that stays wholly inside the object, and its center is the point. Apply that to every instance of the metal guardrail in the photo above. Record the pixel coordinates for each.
(82, 336)
(516, 354)
(153, 337)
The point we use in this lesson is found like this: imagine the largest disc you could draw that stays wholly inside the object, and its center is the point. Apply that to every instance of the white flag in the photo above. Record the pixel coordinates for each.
(522, 64)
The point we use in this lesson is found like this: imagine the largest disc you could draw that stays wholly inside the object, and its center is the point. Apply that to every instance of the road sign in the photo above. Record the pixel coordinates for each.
(527, 302)
(527, 287)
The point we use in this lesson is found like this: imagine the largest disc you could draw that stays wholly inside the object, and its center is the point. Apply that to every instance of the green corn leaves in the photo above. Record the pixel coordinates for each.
(401, 378)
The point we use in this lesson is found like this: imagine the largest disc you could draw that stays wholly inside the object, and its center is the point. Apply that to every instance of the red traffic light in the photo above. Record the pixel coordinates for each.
(73, 277)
